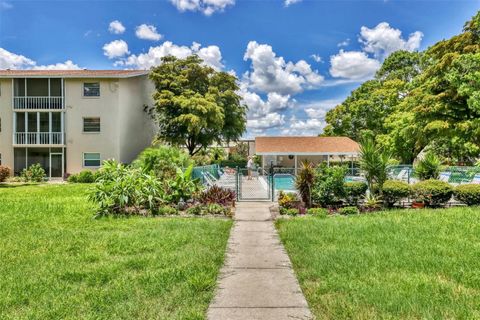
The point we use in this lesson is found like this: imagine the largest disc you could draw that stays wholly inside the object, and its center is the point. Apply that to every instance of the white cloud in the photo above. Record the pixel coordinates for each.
(310, 127)
(207, 7)
(344, 43)
(269, 121)
(147, 32)
(290, 2)
(115, 49)
(257, 107)
(353, 65)
(10, 60)
(317, 58)
(67, 65)
(211, 55)
(318, 109)
(382, 40)
(116, 27)
(270, 73)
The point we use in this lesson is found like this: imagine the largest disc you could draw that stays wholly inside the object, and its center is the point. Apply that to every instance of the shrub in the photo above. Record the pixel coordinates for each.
(125, 190)
(468, 194)
(85, 176)
(394, 191)
(304, 182)
(233, 163)
(34, 173)
(182, 186)
(328, 187)
(318, 212)
(216, 194)
(167, 211)
(291, 212)
(163, 161)
(216, 209)
(432, 192)
(349, 210)
(354, 191)
(428, 167)
(288, 200)
(196, 210)
(4, 173)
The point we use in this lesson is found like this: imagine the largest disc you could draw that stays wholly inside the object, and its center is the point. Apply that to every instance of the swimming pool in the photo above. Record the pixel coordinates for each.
(284, 181)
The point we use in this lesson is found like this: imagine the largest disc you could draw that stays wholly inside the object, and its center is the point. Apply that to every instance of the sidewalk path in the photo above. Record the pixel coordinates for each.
(257, 280)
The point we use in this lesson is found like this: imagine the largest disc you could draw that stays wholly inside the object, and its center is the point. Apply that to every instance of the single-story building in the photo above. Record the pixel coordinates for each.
(289, 152)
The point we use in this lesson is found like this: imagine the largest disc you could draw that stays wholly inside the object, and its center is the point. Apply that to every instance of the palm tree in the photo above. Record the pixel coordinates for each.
(304, 182)
(374, 162)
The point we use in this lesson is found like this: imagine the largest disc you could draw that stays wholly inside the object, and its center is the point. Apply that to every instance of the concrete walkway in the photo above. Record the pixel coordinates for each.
(257, 281)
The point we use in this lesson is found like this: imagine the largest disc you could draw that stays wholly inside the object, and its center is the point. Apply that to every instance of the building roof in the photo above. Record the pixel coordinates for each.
(283, 145)
(71, 73)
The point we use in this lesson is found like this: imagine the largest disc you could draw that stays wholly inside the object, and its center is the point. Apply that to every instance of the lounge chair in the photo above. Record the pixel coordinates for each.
(445, 176)
(476, 179)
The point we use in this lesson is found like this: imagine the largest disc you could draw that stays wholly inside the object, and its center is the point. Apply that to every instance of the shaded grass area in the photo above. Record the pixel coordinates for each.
(400, 264)
(58, 262)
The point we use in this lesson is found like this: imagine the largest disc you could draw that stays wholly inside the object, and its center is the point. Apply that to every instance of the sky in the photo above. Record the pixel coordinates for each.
(295, 59)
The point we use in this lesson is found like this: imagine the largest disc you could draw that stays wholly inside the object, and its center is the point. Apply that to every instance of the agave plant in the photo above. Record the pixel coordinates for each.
(304, 182)
(428, 167)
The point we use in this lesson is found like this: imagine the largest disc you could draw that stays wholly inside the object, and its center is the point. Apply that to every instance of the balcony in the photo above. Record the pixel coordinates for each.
(38, 94)
(38, 138)
(39, 103)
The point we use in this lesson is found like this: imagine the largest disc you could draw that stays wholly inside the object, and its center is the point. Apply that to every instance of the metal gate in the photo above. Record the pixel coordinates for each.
(255, 185)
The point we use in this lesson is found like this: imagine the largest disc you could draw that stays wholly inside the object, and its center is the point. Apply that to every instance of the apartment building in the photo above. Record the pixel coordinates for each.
(72, 120)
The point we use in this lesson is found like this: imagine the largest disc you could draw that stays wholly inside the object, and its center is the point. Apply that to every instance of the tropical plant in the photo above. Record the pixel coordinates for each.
(328, 188)
(468, 194)
(85, 176)
(216, 194)
(34, 173)
(354, 192)
(182, 186)
(372, 202)
(216, 209)
(288, 200)
(304, 182)
(4, 173)
(433, 193)
(166, 211)
(394, 191)
(217, 154)
(162, 161)
(428, 167)
(374, 161)
(195, 105)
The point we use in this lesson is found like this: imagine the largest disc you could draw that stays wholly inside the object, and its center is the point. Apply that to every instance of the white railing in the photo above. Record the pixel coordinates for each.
(38, 138)
(42, 103)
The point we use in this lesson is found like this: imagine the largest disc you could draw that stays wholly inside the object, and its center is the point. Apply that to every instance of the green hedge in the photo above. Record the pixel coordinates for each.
(318, 212)
(85, 176)
(432, 192)
(468, 194)
(354, 191)
(233, 163)
(349, 210)
(394, 191)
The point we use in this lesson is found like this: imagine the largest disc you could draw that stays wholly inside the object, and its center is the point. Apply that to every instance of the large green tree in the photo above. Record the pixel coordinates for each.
(196, 105)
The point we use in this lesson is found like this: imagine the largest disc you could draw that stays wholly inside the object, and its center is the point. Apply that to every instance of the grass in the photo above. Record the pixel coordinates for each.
(398, 264)
(57, 262)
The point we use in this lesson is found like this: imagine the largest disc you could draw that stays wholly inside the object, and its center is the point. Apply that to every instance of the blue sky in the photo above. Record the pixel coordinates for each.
(295, 59)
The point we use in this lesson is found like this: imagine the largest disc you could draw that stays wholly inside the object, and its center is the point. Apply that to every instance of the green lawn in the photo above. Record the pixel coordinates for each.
(400, 264)
(57, 262)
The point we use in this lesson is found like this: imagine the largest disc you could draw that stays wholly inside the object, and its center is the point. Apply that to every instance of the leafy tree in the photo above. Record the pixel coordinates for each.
(196, 105)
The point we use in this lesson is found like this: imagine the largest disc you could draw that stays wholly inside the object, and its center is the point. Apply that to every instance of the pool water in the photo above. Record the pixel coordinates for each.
(284, 182)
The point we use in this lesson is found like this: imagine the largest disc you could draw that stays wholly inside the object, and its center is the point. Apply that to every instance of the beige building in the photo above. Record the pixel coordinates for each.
(72, 120)
(289, 152)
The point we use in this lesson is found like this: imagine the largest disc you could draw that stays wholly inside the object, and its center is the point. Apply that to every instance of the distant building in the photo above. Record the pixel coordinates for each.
(72, 120)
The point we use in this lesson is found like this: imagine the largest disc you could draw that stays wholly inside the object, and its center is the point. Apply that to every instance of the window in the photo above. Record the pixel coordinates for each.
(91, 159)
(91, 89)
(91, 124)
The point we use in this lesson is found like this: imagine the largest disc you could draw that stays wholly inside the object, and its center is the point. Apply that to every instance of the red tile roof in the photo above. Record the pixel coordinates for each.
(305, 145)
(72, 73)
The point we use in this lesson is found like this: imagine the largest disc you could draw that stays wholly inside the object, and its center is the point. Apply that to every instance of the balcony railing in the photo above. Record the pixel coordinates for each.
(42, 103)
(40, 138)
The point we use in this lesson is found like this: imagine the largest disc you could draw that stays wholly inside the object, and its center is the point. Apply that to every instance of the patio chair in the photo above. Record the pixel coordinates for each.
(476, 179)
(445, 176)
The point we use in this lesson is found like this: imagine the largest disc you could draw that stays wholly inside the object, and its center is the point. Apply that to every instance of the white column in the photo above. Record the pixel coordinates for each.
(14, 128)
(48, 102)
(328, 160)
(49, 163)
(62, 126)
(50, 128)
(38, 127)
(26, 128)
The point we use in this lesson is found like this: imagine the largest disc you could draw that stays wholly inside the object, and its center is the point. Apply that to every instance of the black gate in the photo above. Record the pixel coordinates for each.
(254, 185)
